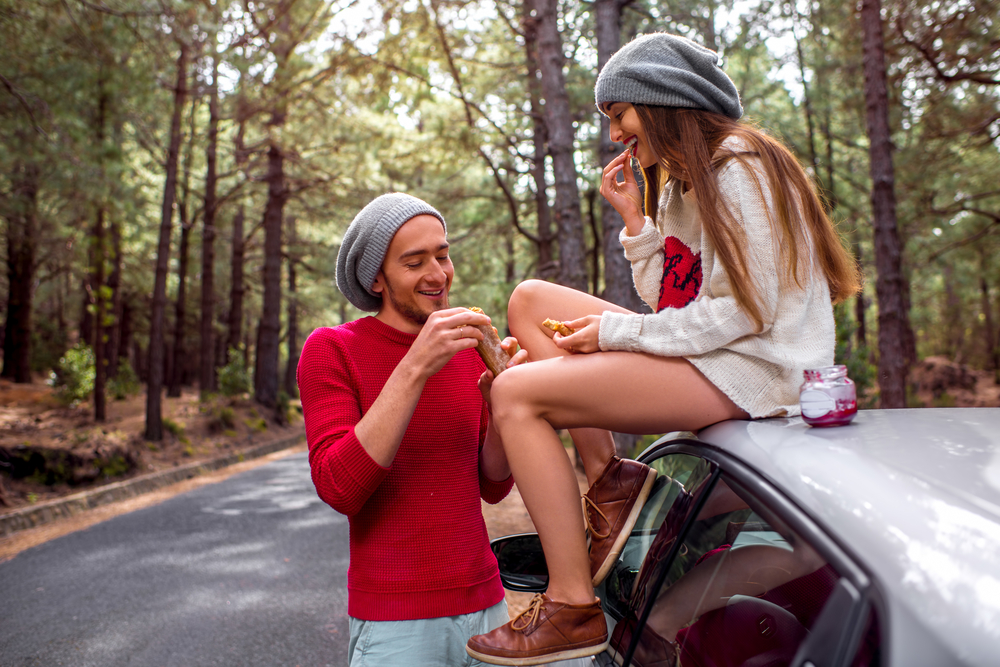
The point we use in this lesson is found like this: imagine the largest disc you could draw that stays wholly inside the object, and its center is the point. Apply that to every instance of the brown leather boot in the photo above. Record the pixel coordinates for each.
(612, 506)
(544, 632)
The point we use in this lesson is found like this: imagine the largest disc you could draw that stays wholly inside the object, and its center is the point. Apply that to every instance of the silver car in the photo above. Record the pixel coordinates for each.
(768, 543)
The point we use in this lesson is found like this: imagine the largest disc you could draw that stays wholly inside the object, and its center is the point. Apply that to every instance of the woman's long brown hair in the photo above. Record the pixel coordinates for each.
(688, 143)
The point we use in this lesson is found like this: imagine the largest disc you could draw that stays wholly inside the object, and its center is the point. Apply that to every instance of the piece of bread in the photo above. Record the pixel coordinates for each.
(558, 327)
(489, 347)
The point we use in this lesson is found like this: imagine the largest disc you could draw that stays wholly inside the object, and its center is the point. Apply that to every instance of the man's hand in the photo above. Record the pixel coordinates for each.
(517, 356)
(444, 334)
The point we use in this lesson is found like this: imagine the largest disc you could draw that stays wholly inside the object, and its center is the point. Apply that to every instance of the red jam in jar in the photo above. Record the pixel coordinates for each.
(827, 397)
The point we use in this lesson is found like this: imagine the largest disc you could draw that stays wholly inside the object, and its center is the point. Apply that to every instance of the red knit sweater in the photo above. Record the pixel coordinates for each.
(419, 547)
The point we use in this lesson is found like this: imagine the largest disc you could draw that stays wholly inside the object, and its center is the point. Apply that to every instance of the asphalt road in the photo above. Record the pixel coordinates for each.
(249, 571)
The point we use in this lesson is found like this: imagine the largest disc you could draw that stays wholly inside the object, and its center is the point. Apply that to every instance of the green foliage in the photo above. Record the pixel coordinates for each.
(125, 383)
(73, 378)
(258, 424)
(234, 380)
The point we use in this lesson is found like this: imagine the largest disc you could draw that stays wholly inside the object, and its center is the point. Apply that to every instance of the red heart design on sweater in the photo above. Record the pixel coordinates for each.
(681, 275)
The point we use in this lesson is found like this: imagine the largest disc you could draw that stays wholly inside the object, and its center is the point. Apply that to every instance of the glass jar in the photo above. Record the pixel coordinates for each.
(827, 397)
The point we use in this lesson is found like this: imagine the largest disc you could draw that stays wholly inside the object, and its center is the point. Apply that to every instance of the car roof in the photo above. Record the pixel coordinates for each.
(914, 495)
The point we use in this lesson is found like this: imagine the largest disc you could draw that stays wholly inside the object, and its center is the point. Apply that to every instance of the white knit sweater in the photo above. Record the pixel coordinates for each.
(760, 372)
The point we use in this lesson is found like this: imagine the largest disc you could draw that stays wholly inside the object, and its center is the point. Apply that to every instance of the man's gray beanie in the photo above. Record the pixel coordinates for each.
(667, 71)
(367, 240)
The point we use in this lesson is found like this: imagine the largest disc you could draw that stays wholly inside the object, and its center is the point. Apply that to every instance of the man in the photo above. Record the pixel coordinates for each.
(401, 442)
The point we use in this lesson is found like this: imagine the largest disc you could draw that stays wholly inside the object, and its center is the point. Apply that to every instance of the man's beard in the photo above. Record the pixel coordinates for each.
(410, 310)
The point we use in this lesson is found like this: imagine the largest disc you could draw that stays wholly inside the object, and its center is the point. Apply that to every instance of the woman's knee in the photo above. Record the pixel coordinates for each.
(508, 396)
(526, 295)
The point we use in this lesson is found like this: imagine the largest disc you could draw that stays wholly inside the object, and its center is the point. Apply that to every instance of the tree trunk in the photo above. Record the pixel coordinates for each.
(546, 267)
(952, 325)
(97, 280)
(125, 346)
(236, 290)
(269, 337)
(87, 300)
(291, 386)
(860, 306)
(618, 285)
(97, 268)
(114, 334)
(990, 338)
(990, 333)
(206, 380)
(558, 119)
(154, 416)
(114, 344)
(892, 315)
(180, 311)
(22, 242)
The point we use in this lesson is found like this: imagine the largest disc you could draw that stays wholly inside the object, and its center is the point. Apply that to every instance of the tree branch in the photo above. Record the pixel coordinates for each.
(24, 105)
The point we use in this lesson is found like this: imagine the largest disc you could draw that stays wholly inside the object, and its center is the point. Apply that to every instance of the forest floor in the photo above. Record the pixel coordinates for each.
(60, 450)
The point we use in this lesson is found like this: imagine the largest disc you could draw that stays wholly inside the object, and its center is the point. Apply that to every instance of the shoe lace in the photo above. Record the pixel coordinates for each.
(534, 607)
(588, 505)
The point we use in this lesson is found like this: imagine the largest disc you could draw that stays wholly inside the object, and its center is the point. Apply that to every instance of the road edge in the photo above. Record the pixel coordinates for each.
(45, 512)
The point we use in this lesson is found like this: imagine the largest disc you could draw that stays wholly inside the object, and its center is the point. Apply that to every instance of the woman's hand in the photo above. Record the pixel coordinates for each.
(624, 196)
(586, 338)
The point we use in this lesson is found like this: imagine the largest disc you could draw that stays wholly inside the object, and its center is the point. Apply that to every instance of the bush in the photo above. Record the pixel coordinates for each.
(222, 419)
(125, 383)
(177, 430)
(234, 380)
(73, 378)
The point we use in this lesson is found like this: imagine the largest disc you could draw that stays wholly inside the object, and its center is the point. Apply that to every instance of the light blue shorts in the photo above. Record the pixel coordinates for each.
(425, 642)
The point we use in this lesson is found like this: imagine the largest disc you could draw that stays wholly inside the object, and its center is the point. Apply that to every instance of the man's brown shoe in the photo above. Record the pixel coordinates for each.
(545, 632)
(612, 506)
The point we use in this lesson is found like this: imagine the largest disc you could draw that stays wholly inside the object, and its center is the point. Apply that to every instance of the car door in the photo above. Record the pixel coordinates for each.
(721, 569)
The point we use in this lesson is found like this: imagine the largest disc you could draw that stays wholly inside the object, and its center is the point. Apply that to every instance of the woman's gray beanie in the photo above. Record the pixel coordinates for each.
(367, 240)
(667, 71)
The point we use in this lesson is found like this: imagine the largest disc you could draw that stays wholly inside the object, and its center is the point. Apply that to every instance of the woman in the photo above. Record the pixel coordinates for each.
(741, 268)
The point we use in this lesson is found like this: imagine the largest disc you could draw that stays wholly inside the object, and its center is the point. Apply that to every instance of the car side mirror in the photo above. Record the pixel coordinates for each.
(521, 562)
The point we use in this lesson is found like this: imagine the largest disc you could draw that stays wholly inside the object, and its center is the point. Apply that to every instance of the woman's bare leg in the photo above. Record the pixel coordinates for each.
(532, 302)
(636, 393)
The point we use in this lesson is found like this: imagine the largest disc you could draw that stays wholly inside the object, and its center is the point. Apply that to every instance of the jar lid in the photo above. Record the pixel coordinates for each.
(826, 372)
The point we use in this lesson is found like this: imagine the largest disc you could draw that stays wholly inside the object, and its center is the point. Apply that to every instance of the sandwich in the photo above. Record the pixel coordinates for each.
(489, 348)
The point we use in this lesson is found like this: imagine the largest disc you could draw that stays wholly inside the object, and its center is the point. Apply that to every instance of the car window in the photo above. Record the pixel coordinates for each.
(869, 650)
(741, 588)
(677, 475)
